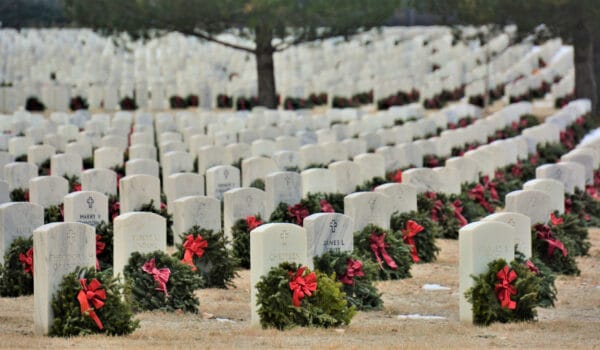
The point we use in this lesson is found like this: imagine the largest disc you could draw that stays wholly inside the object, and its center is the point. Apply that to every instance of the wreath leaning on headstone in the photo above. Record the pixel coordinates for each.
(291, 295)
(554, 251)
(419, 233)
(241, 238)
(16, 275)
(157, 281)
(384, 248)
(295, 214)
(570, 226)
(104, 245)
(19, 195)
(504, 293)
(89, 301)
(547, 290)
(205, 251)
(53, 213)
(356, 277)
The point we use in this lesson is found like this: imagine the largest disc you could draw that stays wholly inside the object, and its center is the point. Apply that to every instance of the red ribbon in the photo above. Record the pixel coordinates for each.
(99, 249)
(505, 289)
(326, 207)
(397, 176)
(302, 285)
(93, 294)
(76, 187)
(161, 276)
(354, 268)
(531, 266)
(556, 220)
(412, 228)
(193, 246)
(592, 192)
(457, 205)
(477, 193)
(544, 232)
(27, 261)
(115, 210)
(491, 188)
(378, 246)
(252, 222)
(298, 213)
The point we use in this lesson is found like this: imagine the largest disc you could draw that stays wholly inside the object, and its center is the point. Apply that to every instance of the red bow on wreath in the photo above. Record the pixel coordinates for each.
(490, 187)
(298, 213)
(397, 176)
(544, 232)
(505, 289)
(477, 193)
(531, 266)
(556, 220)
(193, 246)
(99, 249)
(252, 222)
(302, 285)
(326, 207)
(354, 268)
(93, 294)
(161, 276)
(378, 246)
(457, 205)
(27, 261)
(412, 228)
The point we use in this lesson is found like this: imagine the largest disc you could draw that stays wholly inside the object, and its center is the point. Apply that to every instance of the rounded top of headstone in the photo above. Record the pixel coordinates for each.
(22, 205)
(62, 225)
(144, 215)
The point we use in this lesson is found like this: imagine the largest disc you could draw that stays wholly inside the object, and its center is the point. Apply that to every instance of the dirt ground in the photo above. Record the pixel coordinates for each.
(223, 320)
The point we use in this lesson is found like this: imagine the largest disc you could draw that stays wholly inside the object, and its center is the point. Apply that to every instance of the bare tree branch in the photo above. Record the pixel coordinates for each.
(211, 38)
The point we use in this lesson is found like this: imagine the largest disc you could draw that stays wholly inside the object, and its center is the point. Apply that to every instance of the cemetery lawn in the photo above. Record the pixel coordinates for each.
(223, 320)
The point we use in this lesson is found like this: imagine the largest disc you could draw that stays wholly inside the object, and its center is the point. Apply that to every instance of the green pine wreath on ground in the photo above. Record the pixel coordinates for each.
(426, 248)
(19, 195)
(320, 200)
(554, 251)
(547, 289)
(143, 292)
(206, 252)
(370, 185)
(16, 275)
(241, 238)
(104, 245)
(522, 295)
(53, 213)
(569, 225)
(325, 306)
(386, 249)
(356, 276)
(114, 315)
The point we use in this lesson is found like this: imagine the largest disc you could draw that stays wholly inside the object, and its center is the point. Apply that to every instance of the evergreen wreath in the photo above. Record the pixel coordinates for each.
(321, 200)
(106, 312)
(472, 210)
(584, 206)
(241, 238)
(16, 275)
(386, 249)
(145, 292)
(443, 211)
(19, 195)
(424, 240)
(258, 183)
(74, 183)
(504, 293)
(44, 168)
(290, 295)
(53, 213)
(104, 245)
(554, 251)
(314, 203)
(370, 185)
(205, 251)
(356, 277)
(568, 225)
(149, 207)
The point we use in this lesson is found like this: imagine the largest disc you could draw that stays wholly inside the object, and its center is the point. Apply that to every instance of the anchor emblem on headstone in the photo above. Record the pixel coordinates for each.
(90, 202)
(333, 225)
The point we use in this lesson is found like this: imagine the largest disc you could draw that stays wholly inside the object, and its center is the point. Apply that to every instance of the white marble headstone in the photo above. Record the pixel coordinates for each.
(18, 219)
(87, 207)
(368, 208)
(328, 232)
(195, 210)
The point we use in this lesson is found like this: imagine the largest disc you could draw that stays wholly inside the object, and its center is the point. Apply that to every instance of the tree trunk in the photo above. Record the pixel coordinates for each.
(585, 82)
(264, 67)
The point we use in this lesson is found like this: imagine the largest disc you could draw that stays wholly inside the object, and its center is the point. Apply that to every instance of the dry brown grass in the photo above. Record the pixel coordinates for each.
(574, 323)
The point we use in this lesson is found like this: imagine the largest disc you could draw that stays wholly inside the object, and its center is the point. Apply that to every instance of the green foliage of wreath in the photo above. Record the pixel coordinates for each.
(447, 222)
(427, 250)
(149, 207)
(19, 195)
(88, 163)
(217, 265)
(396, 249)
(141, 289)
(241, 242)
(53, 213)
(557, 262)
(281, 214)
(115, 315)
(547, 289)
(258, 183)
(44, 168)
(370, 185)
(472, 210)
(327, 306)
(585, 207)
(363, 294)
(73, 181)
(14, 281)
(487, 308)
(105, 231)
(335, 199)
(578, 233)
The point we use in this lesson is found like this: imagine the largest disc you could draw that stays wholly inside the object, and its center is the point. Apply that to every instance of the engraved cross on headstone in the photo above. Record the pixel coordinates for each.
(90, 202)
(226, 173)
(333, 225)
